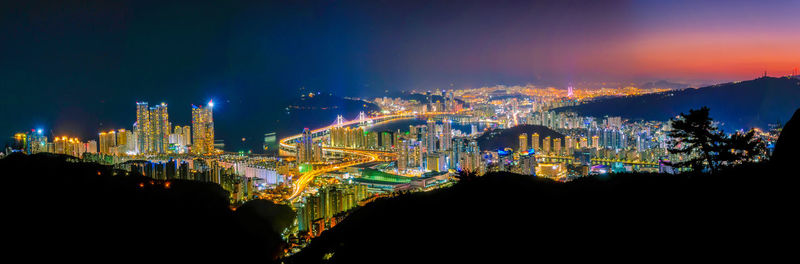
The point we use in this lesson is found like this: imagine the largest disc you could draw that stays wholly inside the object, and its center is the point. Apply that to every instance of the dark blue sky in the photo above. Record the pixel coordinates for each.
(77, 67)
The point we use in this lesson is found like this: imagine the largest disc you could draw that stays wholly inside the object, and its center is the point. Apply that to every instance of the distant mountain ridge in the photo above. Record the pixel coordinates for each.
(737, 105)
(663, 84)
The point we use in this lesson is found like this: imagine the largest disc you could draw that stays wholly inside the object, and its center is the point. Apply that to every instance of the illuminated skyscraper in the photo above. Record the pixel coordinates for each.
(402, 155)
(523, 142)
(305, 150)
(535, 141)
(569, 145)
(142, 128)
(431, 138)
(557, 146)
(546, 145)
(122, 140)
(187, 136)
(446, 141)
(203, 133)
(386, 140)
(159, 122)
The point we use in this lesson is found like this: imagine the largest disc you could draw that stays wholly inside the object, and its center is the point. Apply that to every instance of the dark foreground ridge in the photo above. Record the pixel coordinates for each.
(81, 210)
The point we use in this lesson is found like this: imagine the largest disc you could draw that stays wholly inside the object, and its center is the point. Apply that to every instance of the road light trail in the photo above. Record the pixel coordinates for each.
(367, 155)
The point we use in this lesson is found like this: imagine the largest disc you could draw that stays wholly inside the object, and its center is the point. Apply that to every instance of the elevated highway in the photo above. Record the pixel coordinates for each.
(364, 155)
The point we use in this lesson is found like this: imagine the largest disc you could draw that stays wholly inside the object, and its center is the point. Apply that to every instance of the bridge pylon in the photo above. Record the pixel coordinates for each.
(339, 120)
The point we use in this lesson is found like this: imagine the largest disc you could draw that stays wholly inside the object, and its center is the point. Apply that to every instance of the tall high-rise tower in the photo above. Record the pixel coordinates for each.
(307, 145)
(402, 155)
(431, 138)
(446, 141)
(523, 142)
(142, 128)
(160, 128)
(203, 132)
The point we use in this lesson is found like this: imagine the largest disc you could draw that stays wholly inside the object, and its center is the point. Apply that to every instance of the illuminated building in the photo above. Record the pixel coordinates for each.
(557, 146)
(431, 135)
(142, 128)
(180, 138)
(568, 145)
(317, 154)
(203, 129)
(402, 155)
(432, 160)
(30, 142)
(447, 135)
(108, 140)
(535, 141)
(123, 137)
(546, 145)
(322, 210)
(523, 142)
(527, 164)
(371, 140)
(305, 147)
(551, 170)
(72, 146)
(346, 137)
(386, 140)
(307, 144)
(187, 136)
(160, 128)
(338, 137)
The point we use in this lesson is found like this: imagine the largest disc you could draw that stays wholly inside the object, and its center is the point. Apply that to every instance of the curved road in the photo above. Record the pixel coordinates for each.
(367, 155)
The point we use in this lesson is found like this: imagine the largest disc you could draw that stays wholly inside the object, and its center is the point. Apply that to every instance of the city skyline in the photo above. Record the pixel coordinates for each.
(400, 131)
(230, 53)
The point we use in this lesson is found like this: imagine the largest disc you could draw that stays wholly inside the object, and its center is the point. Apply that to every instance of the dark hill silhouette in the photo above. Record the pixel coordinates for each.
(742, 105)
(70, 210)
(663, 84)
(505, 216)
(788, 144)
(502, 138)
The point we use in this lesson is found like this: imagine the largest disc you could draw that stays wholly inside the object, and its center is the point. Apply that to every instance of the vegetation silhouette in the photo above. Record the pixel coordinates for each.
(695, 134)
(84, 210)
(735, 213)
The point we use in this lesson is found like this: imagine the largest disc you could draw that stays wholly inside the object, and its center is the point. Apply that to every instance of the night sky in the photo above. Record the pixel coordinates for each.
(76, 67)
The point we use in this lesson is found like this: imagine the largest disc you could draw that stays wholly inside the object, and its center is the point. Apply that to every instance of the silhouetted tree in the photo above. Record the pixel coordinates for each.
(740, 147)
(695, 136)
